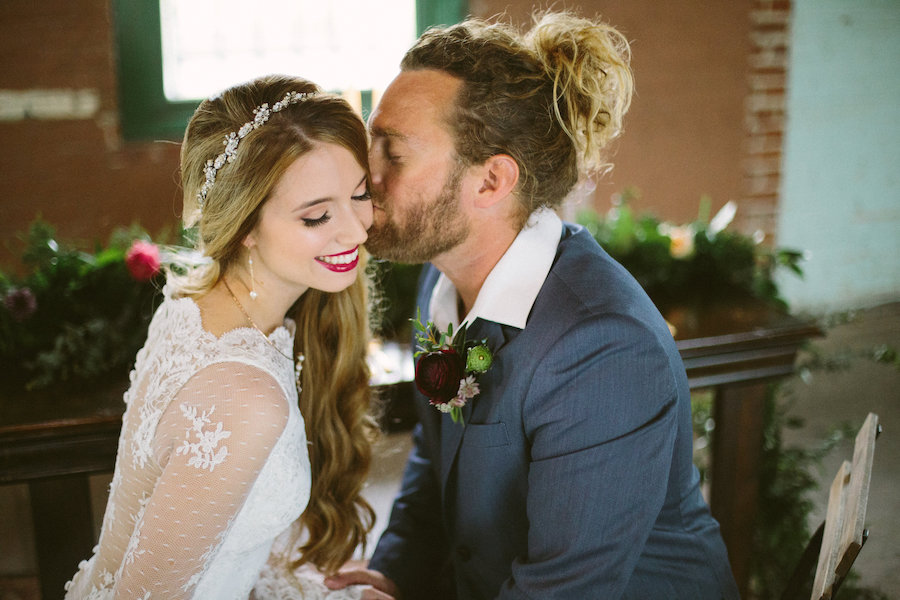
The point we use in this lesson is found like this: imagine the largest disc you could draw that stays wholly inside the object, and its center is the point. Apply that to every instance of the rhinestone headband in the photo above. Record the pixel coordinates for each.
(261, 114)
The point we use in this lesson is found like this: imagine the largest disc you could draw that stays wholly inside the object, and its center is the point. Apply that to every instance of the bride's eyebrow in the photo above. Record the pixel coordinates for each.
(312, 203)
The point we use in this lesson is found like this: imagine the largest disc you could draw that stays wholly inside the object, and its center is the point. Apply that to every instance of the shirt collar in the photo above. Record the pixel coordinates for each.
(509, 292)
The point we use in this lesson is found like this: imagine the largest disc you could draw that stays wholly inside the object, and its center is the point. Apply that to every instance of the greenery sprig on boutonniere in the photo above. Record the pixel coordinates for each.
(448, 365)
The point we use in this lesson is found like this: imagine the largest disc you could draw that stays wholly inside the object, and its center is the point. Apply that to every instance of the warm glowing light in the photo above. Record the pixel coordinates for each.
(209, 45)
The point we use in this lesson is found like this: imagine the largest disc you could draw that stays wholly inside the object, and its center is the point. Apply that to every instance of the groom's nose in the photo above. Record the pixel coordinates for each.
(376, 169)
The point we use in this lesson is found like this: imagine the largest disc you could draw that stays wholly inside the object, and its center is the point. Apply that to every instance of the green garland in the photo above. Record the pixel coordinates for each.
(73, 316)
(698, 262)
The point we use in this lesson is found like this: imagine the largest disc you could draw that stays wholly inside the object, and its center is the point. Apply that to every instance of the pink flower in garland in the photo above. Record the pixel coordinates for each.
(142, 260)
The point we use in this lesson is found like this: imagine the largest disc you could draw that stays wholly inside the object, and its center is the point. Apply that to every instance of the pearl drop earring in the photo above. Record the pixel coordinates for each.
(253, 293)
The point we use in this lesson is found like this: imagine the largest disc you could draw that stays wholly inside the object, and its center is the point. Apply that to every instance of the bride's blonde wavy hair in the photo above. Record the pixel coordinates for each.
(332, 328)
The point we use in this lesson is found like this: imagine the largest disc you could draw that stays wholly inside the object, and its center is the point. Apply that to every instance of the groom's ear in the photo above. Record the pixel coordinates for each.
(499, 175)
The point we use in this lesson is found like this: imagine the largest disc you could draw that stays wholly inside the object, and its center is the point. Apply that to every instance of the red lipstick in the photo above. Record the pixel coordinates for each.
(341, 262)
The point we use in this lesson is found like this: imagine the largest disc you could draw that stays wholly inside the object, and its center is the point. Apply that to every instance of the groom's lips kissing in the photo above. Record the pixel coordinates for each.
(341, 262)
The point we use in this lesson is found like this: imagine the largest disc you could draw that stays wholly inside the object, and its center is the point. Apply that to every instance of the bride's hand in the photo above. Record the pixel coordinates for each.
(382, 588)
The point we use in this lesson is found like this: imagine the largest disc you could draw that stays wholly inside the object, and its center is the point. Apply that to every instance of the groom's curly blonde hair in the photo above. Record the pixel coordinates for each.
(552, 98)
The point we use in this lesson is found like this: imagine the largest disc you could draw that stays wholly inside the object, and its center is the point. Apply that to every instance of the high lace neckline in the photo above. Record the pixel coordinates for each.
(282, 337)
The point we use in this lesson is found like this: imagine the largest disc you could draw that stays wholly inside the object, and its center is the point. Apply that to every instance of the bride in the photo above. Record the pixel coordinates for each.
(216, 457)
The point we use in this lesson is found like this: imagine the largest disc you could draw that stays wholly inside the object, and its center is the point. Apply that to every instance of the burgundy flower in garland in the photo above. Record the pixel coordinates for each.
(447, 367)
(21, 303)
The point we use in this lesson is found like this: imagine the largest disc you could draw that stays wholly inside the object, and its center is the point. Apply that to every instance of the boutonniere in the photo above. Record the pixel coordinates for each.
(448, 365)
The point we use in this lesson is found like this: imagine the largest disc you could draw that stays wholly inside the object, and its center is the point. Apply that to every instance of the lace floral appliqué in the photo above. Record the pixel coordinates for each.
(205, 452)
(229, 555)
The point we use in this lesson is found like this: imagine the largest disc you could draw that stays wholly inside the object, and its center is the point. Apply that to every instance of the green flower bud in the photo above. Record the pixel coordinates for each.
(478, 359)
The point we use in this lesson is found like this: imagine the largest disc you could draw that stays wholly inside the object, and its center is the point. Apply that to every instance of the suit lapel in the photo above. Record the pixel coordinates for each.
(451, 436)
(493, 333)
(496, 337)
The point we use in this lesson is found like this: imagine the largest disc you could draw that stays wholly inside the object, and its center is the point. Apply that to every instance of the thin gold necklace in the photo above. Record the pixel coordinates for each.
(298, 365)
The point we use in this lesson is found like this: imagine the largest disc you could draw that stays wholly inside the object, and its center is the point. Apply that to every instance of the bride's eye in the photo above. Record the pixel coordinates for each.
(367, 195)
(316, 222)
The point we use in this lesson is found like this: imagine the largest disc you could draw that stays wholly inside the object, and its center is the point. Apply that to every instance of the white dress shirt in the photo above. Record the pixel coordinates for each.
(509, 292)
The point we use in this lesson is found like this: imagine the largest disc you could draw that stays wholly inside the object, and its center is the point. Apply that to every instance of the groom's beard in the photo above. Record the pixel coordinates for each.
(419, 233)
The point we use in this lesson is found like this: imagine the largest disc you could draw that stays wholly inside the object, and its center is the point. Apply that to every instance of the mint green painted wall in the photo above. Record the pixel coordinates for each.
(840, 197)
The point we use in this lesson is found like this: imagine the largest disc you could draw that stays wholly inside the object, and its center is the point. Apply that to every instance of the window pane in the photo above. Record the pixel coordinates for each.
(208, 45)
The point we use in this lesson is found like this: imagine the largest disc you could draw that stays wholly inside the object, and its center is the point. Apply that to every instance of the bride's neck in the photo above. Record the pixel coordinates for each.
(222, 309)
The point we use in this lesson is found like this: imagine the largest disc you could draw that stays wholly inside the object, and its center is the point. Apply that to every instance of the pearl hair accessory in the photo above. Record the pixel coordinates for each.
(261, 114)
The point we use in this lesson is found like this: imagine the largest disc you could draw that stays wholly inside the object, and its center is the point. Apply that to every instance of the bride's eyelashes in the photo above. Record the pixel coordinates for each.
(316, 222)
(366, 196)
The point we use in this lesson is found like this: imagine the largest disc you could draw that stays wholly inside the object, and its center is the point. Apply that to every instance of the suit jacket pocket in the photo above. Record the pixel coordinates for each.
(485, 435)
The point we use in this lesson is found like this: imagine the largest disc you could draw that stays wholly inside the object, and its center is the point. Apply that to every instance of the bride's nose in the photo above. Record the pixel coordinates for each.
(356, 225)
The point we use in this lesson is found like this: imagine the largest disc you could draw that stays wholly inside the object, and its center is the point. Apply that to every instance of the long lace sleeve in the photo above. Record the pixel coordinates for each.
(211, 442)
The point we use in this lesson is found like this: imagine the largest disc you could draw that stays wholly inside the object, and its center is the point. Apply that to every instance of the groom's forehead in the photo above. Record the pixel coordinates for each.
(411, 125)
(427, 93)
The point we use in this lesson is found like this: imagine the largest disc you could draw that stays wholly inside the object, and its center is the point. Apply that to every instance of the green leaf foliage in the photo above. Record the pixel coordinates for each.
(87, 316)
(689, 263)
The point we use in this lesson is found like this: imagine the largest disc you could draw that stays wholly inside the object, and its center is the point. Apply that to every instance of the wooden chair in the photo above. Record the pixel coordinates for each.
(840, 537)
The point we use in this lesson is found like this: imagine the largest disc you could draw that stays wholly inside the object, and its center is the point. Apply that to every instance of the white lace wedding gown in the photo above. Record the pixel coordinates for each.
(212, 465)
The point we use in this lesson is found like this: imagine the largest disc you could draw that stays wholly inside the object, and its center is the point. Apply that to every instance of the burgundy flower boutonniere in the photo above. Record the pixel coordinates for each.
(448, 365)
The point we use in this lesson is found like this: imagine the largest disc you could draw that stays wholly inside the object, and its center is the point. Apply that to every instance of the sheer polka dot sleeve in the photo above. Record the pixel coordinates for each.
(211, 443)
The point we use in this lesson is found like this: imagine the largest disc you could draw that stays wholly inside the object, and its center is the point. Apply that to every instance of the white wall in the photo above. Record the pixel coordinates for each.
(840, 196)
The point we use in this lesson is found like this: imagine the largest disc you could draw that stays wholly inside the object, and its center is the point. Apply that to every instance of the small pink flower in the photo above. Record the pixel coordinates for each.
(468, 389)
(142, 260)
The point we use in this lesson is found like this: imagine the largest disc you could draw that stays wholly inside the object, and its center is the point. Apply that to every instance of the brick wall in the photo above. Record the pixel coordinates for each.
(684, 134)
(764, 118)
(63, 157)
(700, 70)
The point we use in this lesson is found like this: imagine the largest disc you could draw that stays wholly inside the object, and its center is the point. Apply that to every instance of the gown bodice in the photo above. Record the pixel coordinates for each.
(212, 463)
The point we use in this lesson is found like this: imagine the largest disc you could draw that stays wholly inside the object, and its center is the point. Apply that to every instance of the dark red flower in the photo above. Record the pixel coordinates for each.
(438, 375)
(20, 303)
(142, 260)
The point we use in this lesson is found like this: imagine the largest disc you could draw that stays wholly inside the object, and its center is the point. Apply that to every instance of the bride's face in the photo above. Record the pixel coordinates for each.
(310, 229)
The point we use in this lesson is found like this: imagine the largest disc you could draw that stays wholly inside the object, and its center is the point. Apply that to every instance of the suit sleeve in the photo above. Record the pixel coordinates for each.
(413, 549)
(601, 418)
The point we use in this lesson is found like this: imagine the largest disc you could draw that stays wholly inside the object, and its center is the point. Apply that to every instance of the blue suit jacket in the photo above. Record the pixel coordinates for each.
(573, 476)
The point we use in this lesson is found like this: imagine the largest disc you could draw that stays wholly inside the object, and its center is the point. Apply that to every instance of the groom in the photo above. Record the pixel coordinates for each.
(572, 476)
